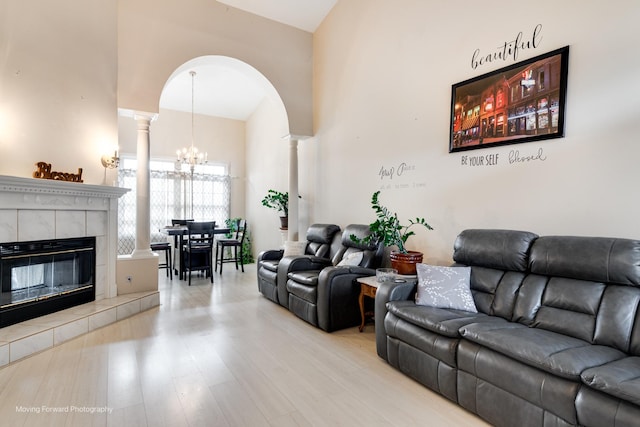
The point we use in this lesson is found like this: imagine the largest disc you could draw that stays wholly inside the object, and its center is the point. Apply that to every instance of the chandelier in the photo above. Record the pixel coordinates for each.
(191, 156)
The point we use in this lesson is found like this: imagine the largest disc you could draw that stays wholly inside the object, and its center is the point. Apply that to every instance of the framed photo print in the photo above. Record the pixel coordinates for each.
(523, 102)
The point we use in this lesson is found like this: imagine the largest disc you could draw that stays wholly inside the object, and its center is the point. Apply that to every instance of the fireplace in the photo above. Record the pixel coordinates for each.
(45, 276)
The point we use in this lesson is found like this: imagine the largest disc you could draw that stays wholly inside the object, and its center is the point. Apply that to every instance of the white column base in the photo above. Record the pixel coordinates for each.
(136, 274)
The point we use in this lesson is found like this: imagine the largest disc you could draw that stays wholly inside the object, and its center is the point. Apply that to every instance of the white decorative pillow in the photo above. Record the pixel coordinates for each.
(352, 259)
(445, 287)
(294, 247)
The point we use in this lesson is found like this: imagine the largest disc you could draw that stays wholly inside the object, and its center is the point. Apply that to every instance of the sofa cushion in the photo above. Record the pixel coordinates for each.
(351, 259)
(500, 249)
(407, 338)
(303, 292)
(294, 248)
(569, 307)
(442, 321)
(321, 233)
(549, 351)
(619, 378)
(445, 287)
(598, 259)
(305, 277)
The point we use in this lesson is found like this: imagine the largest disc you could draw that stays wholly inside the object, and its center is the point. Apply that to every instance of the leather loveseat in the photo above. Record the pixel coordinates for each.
(318, 242)
(555, 342)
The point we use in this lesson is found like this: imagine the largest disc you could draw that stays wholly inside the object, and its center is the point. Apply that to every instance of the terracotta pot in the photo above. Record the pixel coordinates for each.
(405, 263)
(284, 222)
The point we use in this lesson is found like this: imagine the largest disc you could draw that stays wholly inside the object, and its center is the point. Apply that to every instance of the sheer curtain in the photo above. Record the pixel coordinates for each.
(170, 197)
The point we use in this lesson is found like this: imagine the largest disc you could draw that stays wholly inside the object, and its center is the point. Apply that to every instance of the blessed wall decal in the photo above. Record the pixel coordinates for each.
(509, 50)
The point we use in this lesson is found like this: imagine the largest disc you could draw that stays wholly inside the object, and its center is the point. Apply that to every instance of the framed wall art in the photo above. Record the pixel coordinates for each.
(523, 102)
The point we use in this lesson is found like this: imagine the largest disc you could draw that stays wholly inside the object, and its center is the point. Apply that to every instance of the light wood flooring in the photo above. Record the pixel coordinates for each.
(217, 355)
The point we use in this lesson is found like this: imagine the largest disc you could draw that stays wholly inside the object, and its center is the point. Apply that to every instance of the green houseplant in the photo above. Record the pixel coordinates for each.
(388, 230)
(280, 202)
(232, 224)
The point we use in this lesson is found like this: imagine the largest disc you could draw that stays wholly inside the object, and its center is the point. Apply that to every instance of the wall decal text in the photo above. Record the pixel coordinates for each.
(398, 177)
(509, 49)
(515, 158)
(390, 172)
(486, 160)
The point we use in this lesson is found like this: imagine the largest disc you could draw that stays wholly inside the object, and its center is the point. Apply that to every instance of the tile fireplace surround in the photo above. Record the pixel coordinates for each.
(40, 209)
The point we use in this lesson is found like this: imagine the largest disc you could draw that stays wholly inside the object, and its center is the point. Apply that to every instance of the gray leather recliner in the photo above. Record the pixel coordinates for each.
(324, 292)
(319, 238)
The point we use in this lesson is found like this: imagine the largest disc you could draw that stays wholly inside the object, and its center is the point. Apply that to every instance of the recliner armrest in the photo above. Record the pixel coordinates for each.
(271, 255)
(389, 291)
(337, 302)
(299, 263)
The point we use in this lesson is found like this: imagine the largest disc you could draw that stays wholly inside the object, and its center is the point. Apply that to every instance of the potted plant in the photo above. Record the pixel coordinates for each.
(232, 225)
(280, 202)
(388, 230)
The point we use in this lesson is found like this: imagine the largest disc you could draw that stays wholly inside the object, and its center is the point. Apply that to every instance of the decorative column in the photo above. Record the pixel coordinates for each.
(143, 216)
(293, 189)
(138, 272)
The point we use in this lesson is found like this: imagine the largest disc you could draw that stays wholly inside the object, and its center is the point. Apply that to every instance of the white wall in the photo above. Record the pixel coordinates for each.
(57, 85)
(382, 94)
(156, 37)
(267, 168)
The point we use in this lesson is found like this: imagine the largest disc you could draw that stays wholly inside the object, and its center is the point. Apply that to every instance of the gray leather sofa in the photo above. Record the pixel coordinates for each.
(319, 238)
(323, 292)
(555, 342)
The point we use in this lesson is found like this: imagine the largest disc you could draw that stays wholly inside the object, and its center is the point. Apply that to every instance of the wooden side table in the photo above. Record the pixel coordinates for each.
(368, 288)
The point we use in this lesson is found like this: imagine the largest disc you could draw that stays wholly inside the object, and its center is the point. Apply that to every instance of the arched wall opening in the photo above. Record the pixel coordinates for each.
(248, 139)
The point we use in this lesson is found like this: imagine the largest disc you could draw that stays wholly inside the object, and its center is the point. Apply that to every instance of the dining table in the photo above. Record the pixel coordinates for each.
(178, 232)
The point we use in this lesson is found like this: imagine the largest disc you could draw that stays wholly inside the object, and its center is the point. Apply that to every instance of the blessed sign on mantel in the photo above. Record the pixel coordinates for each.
(44, 172)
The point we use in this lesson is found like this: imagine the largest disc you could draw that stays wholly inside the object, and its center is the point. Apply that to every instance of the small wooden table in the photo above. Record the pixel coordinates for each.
(368, 288)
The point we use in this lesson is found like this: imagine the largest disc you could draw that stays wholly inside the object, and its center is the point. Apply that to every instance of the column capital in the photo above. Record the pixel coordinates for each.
(293, 137)
(142, 116)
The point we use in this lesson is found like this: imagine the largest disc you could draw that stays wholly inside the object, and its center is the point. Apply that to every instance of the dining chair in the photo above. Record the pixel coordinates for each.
(198, 249)
(235, 243)
(178, 243)
(166, 248)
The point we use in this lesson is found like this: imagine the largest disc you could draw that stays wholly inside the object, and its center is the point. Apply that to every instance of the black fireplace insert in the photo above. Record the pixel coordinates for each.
(42, 277)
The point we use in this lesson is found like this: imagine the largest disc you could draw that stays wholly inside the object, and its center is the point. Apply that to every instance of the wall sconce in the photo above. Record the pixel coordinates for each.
(109, 162)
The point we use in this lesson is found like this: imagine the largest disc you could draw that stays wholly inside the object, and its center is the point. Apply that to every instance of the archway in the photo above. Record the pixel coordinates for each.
(222, 83)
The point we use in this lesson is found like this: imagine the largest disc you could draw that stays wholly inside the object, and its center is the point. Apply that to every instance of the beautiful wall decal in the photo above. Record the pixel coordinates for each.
(508, 50)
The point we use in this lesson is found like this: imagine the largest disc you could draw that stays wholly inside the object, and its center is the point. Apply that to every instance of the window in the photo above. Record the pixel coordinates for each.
(541, 80)
(527, 83)
(171, 197)
(500, 98)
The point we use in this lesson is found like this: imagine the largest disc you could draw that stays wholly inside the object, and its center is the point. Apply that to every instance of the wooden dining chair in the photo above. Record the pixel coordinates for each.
(167, 264)
(235, 243)
(178, 243)
(198, 249)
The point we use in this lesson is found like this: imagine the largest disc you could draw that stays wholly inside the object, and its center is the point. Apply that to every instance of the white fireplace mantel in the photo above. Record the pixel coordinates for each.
(39, 209)
(53, 188)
